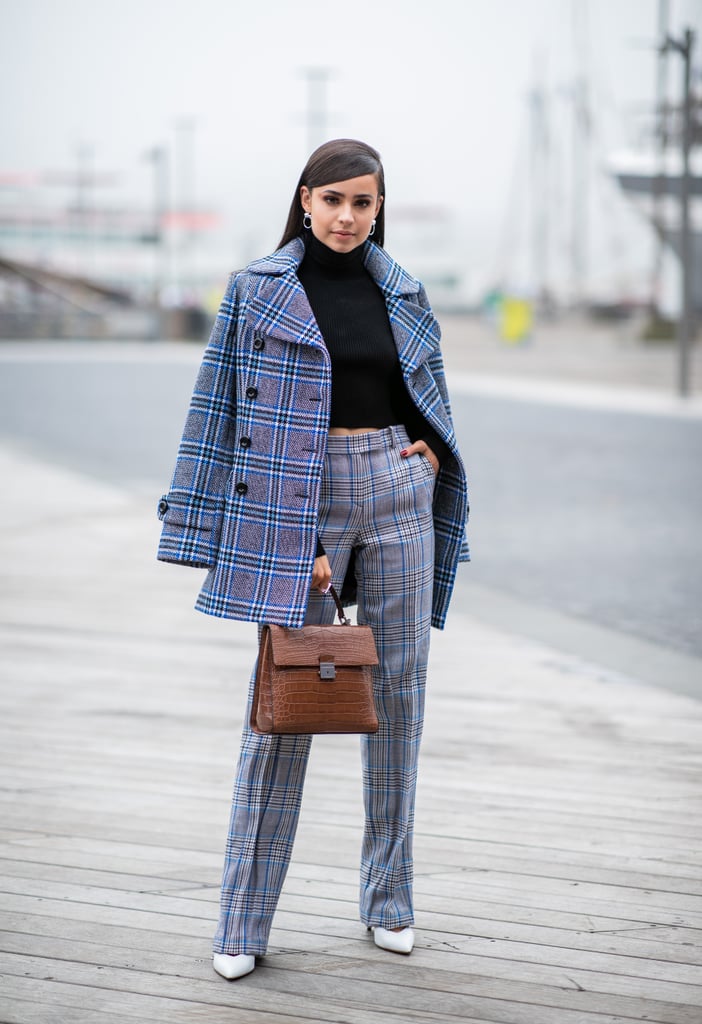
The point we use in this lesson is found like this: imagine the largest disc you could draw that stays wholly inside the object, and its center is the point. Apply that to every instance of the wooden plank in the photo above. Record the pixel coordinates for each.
(329, 916)
(595, 892)
(446, 850)
(25, 1011)
(306, 980)
(557, 845)
(132, 949)
(127, 916)
(209, 998)
(441, 897)
(481, 889)
(489, 887)
(490, 820)
(675, 812)
(20, 867)
(51, 1002)
(197, 867)
(303, 933)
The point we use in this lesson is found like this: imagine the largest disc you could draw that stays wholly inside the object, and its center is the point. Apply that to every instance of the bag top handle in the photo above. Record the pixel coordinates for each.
(343, 619)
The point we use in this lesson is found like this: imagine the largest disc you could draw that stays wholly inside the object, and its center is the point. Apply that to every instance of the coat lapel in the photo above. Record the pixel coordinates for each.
(279, 305)
(414, 328)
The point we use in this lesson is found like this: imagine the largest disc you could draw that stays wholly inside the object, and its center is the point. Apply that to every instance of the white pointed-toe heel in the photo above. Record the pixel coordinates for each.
(395, 942)
(231, 967)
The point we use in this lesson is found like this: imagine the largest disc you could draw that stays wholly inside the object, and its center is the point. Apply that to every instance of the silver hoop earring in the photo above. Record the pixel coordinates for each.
(372, 230)
(307, 220)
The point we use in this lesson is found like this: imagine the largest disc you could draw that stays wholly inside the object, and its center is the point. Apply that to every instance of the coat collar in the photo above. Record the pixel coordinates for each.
(387, 274)
(280, 306)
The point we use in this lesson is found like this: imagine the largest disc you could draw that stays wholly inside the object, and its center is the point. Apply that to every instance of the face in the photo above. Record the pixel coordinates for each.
(342, 212)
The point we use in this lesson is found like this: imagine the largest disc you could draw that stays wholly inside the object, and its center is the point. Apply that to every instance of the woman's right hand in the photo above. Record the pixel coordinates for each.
(321, 574)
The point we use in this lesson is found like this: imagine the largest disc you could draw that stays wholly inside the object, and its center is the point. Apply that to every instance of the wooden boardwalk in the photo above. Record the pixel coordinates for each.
(558, 844)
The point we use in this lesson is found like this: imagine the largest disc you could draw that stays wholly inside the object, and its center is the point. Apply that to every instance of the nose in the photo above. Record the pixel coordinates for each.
(345, 213)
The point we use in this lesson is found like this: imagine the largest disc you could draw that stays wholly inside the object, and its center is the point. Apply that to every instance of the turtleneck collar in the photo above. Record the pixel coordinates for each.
(335, 263)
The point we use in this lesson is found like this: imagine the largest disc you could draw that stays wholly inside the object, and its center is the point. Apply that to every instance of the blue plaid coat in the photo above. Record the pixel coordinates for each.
(245, 492)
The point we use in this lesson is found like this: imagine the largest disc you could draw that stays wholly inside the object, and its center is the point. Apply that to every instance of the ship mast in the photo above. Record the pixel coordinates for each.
(659, 182)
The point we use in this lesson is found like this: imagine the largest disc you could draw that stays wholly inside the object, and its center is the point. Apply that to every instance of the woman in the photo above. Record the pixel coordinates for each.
(319, 448)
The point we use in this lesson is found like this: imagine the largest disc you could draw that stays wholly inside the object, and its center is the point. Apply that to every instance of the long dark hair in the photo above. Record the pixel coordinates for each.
(337, 160)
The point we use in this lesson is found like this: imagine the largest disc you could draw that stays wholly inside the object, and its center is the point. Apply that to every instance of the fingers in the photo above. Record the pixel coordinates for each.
(421, 448)
(429, 454)
(412, 449)
(321, 574)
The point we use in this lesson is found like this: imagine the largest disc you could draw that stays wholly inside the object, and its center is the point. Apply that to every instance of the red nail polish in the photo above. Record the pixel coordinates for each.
(403, 453)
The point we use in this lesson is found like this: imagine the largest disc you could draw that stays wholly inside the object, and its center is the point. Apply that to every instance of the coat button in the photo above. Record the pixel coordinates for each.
(252, 392)
(259, 344)
(241, 487)
(245, 442)
(162, 507)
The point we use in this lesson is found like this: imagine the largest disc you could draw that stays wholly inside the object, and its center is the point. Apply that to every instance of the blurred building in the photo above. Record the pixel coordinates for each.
(76, 264)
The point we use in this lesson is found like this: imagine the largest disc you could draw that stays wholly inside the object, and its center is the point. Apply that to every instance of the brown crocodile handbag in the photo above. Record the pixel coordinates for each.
(316, 679)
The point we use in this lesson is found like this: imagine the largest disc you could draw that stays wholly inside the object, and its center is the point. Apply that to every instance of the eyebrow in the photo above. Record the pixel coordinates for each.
(359, 195)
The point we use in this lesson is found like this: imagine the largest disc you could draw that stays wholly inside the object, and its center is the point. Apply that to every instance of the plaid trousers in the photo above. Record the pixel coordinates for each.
(380, 505)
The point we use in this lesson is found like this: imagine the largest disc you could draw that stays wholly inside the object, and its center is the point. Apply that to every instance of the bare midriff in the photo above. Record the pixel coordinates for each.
(347, 431)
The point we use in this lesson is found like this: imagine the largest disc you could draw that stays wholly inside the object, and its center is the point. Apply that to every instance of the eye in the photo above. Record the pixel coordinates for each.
(363, 202)
(331, 200)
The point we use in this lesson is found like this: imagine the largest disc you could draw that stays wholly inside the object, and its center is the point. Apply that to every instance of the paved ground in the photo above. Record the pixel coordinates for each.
(585, 495)
(558, 836)
(570, 351)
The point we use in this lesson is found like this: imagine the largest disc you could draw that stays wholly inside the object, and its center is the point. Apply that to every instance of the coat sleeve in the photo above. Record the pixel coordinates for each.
(436, 365)
(193, 509)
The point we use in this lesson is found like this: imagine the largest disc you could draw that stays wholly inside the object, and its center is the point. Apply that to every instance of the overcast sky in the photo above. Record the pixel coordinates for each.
(440, 87)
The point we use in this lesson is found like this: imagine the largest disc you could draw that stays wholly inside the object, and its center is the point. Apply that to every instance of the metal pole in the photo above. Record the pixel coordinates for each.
(659, 181)
(317, 79)
(85, 209)
(539, 193)
(159, 159)
(684, 48)
(581, 155)
(685, 246)
(183, 174)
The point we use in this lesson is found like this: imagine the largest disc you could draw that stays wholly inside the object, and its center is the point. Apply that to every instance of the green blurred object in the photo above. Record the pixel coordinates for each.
(659, 328)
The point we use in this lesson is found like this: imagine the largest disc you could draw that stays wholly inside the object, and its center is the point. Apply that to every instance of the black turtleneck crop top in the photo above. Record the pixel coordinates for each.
(367, 385)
